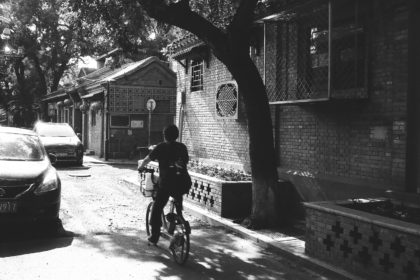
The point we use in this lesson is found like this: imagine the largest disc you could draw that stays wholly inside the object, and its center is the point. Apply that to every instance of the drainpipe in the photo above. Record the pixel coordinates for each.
(413, 100)
(181, 114)
(265, 52)
(106, 110)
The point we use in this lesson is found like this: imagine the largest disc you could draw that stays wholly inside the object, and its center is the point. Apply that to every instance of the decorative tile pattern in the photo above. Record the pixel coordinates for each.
(133, 99)
(368, 248)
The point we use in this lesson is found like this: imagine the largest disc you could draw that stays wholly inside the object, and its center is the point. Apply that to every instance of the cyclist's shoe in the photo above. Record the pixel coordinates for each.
(152, 241)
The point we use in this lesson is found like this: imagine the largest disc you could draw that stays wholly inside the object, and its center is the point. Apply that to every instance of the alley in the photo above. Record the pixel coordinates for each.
(103, 237)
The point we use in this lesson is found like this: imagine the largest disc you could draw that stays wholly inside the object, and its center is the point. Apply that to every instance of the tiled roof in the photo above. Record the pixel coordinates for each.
(184, 45)
(102, 75)
(128, 68)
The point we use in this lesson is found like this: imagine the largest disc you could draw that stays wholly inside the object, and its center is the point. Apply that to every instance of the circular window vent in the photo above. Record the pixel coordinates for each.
(227, 100)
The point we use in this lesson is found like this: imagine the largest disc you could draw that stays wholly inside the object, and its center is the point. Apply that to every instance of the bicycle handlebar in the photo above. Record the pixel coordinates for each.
(146, 170)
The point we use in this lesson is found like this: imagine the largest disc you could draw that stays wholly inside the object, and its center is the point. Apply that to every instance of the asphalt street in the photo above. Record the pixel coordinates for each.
(101, 235)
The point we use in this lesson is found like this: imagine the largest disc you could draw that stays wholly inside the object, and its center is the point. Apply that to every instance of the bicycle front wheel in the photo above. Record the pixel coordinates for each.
(180, 241)
(148, 218)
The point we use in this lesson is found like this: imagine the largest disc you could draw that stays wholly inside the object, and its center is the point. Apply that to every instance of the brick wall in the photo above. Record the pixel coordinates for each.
(363, 140)
(223, 140)
(359, 139)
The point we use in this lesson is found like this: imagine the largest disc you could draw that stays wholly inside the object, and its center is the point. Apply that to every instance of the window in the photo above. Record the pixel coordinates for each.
(321, 53)
(227, 101)
(197, 69)
(92, 117)
(120, 121)
(162, 106)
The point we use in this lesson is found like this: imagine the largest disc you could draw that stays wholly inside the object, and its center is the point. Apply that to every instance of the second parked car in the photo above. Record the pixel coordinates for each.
(59, 139)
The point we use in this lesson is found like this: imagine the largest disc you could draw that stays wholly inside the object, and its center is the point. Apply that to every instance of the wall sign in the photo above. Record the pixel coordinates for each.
(137, 124)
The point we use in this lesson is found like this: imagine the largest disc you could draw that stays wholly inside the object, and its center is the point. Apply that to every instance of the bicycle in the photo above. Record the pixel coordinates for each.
(174, 226)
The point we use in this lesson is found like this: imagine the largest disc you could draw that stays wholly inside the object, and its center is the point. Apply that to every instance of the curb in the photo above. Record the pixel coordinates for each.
(288, 246)
(94, 160)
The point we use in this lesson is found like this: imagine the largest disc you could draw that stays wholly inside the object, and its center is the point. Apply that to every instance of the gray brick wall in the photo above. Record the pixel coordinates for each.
(356, 139)
(205, 135)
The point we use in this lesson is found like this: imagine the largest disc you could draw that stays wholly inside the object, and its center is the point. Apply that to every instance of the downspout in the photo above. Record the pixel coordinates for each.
(265, 52)
(413, 100)
(106, 105)
(181, 114)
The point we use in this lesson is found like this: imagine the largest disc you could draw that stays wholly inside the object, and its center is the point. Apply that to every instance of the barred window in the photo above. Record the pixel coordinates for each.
(320, 53)
(120, 120)
(197, 69)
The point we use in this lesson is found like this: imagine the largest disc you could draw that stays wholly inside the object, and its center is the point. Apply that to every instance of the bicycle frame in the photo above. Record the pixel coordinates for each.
(178, 232)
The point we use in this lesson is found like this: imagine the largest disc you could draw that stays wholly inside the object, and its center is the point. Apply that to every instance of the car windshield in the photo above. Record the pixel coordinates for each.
(20, 147)
(55, 131)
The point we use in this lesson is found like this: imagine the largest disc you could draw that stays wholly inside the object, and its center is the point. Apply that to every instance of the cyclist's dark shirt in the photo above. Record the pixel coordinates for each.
(167, 153)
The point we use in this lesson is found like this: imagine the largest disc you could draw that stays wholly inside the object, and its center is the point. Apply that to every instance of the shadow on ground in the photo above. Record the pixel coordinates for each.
(214, 255)
(25, 238)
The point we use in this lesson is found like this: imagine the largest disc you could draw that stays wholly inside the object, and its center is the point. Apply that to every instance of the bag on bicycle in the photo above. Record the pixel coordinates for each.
(180, 178)
(173, 158)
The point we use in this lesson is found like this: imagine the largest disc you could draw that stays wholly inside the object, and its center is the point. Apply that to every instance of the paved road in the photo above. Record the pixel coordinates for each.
(103, 237)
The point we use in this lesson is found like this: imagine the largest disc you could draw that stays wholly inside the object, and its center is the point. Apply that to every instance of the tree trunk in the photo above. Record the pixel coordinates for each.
(267, 200)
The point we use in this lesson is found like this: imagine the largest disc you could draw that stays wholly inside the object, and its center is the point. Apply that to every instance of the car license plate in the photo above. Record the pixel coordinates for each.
(8, 207)
(64, 154)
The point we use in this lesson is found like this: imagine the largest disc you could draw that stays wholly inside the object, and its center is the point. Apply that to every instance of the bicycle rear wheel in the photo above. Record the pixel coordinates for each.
(180, 241)
(148, 218)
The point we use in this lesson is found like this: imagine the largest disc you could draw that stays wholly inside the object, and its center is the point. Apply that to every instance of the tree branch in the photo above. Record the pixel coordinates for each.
(181, 15)
(244, 15)
(40, 74)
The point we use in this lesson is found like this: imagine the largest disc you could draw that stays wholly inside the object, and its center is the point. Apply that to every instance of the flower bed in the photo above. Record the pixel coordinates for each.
(218, 172)
(371, 245)
(225, 192)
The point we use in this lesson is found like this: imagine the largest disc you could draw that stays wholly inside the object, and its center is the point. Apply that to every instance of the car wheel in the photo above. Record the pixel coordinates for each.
(79, 162)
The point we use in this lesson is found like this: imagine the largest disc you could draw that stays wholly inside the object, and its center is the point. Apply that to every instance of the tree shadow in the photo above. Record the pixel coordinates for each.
(32, 237)
(214, 255)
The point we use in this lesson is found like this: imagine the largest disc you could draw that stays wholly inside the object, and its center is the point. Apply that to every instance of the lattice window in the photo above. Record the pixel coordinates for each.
(197, 69)
(227, 101)
(120, 120)
(320, 53)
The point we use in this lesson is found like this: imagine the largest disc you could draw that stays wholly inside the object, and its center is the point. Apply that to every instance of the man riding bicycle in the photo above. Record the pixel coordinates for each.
(170, 155)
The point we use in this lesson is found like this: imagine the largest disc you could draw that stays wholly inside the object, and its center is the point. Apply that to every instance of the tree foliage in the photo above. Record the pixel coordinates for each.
(56, 34)
(52, 35)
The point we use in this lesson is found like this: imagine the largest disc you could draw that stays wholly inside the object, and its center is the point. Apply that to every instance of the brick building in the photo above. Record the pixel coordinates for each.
(203, 84)
(342, 97)
(108, 106)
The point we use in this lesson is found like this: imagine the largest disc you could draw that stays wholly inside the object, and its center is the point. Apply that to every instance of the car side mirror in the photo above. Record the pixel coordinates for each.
(79, 135)
(53, 158)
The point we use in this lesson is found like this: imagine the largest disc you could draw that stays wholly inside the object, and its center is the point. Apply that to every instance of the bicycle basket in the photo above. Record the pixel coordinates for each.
(148, 185)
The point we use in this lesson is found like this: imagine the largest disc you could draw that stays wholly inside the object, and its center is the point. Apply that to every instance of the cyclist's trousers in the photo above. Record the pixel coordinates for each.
(161, 199)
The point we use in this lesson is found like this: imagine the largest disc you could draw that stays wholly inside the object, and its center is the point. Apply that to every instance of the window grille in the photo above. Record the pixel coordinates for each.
(197, 69)
(162, 106)
(120, 121)
(227, 101)
(320, 52)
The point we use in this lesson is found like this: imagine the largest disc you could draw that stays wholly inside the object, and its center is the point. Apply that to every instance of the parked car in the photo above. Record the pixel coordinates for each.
(59, 139)
(30, 188)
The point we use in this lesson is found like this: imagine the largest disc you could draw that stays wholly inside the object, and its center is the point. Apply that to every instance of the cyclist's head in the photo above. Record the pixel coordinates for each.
(171, 133)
